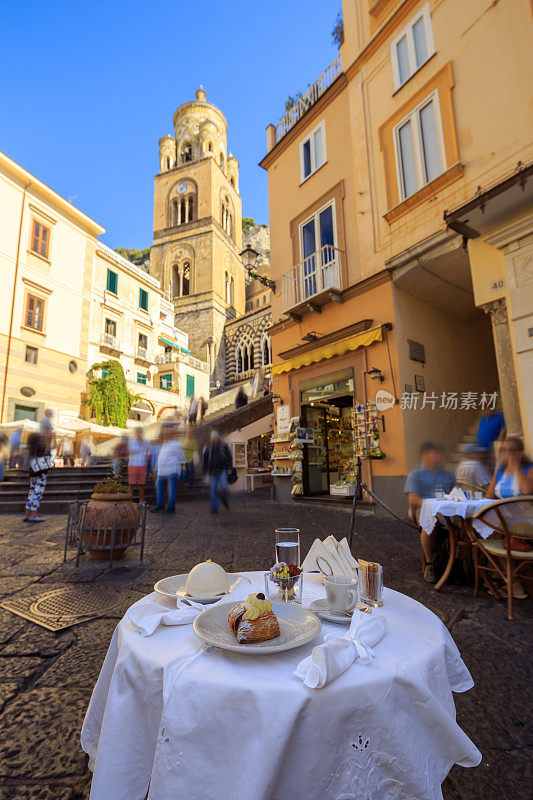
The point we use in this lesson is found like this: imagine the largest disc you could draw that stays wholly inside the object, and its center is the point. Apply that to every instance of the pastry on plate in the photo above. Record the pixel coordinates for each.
(253, 620)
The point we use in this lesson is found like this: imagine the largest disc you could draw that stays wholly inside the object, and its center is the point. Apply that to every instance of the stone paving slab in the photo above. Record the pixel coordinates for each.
(42, 701)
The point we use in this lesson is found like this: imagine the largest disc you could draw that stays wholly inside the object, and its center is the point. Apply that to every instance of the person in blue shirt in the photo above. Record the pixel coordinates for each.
(491, 429)
(422, 484)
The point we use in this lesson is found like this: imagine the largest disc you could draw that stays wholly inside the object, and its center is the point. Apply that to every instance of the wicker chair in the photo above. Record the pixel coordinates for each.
(512, 517)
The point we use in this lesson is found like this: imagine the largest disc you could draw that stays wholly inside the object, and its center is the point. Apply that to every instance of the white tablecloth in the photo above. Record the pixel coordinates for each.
(198, 723)
(453, 508)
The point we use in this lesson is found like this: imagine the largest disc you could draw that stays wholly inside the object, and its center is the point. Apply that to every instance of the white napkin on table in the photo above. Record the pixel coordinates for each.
(331, 659)
(147, 617)
(456, 494)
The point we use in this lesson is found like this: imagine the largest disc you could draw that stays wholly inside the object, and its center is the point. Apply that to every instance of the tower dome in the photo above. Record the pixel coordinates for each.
(200, 131)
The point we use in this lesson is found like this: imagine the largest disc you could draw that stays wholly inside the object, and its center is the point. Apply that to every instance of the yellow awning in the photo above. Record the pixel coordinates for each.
(329, 350)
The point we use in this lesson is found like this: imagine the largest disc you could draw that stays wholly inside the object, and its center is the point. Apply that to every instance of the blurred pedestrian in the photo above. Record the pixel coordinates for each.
(120, 456)
(47, 431)
(193, 411)
(471, 469)
(216, 464)
(86, 448)
(4, 446)
(14, 447)
(202, 409)
(66, 451)
(138, 454)
(241, 399)
(190, 445)
(169, 466)
(39, 464)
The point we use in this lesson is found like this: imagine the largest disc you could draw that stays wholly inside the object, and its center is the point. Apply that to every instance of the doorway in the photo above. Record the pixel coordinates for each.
(331, 457)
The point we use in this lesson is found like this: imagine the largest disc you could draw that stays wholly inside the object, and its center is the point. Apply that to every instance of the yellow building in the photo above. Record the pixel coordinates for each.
(47, 249)
(132, 322)
(374, 177)
(198, 229)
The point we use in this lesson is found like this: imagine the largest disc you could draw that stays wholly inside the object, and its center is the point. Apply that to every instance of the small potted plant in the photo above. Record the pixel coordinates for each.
(111, 506)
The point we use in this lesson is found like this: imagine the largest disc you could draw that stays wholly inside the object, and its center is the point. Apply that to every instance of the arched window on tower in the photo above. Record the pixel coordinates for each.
(181, 280)
(183, 209)
(232, 291)
(244, 355)
(221, 160)
(210, 147)
(186, 279)
(226, 288)
(168, 162)
(232, 181)
(186, 153)
(266, 350)
(226, 217)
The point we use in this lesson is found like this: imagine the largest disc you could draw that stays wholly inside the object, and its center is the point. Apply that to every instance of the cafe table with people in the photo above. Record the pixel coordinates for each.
(470, 508)
(309, 678)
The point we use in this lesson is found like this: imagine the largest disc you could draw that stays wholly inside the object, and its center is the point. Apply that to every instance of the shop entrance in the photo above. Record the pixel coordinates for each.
(330, 460)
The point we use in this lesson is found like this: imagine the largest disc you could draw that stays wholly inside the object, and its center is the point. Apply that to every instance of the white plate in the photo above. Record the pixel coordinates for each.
(320, 607)
(174, 586)
(297, 627)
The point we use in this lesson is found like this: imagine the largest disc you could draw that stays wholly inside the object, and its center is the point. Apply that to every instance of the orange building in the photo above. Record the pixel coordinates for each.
(418, 127)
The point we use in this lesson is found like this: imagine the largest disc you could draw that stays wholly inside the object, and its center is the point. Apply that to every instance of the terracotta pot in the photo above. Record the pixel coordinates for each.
(101, 510)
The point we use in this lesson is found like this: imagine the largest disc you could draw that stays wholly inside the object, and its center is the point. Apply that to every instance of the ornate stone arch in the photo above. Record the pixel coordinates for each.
(179, 266)
(181, 207)
(227, 213)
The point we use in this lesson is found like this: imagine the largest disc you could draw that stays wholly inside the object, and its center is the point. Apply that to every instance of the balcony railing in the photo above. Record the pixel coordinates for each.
(304, 103)
(317, 274)
(142, 354)
(183, 358)
(109, 341)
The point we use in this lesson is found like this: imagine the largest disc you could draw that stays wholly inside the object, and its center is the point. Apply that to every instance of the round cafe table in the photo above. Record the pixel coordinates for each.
(183, 721)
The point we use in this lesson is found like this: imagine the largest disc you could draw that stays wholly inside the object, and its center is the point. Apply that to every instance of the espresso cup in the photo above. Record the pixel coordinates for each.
(341, 592)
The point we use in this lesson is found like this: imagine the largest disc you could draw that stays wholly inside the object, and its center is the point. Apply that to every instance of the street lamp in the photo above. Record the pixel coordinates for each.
(249, 262)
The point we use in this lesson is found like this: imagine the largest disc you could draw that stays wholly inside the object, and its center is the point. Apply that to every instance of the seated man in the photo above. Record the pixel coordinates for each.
(471, 469)
(422, 484)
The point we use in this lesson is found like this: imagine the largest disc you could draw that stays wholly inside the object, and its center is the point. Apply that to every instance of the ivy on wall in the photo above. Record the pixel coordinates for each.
(109, 398)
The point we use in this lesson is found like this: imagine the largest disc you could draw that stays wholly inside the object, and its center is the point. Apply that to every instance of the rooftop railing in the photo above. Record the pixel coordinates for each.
(307, 100)
(185, 358)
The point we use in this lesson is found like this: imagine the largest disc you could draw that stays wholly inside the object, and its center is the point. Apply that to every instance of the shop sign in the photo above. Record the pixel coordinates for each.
(283, 418)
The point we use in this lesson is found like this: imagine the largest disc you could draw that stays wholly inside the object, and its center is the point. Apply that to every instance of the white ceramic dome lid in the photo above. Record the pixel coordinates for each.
(207, 579)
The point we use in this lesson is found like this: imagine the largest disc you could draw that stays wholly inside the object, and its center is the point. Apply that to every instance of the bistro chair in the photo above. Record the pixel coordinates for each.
(512, 519)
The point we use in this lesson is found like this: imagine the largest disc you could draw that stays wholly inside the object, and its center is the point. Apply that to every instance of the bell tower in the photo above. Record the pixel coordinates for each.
(198, 229)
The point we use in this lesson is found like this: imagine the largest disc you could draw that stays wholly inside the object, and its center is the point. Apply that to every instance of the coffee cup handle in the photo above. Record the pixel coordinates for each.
(353, 600)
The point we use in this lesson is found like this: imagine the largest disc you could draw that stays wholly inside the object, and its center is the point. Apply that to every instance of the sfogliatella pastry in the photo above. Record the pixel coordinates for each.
(253, 621)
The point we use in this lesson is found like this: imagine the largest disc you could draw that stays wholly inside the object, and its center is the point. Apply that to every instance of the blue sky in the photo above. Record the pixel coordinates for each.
(88, 89)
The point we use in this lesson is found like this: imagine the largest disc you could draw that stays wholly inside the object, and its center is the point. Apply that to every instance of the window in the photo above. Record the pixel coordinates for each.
(244, 355)
(183, 210)
(72, 367)
(419, 147)
(40, 239)
(31, 354)
(143, 299)
(110, 327)
(412, 47)
(313, 152)
(34, 317)
(165, 382)
(266, 350)
(141, 378)
(318, 253)
(24, 412)
(186, 153)
(105, 372)
(142, 344)
(189, 385)
(112, 281)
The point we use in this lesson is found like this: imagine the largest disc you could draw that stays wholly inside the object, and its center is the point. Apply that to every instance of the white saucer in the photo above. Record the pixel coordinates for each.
(174, 586)
(321, 608)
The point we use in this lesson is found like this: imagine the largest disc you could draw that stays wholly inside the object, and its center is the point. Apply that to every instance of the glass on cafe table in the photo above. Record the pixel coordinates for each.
(371, 584)
(288, 546)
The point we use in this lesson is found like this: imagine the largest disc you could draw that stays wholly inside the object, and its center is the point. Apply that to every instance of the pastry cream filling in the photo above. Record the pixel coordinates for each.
(254, 608)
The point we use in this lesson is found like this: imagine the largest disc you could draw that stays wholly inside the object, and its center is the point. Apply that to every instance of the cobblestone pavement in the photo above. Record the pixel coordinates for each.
(46, 678)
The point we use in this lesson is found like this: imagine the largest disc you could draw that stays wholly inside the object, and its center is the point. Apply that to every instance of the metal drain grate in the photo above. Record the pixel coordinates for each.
(69, 605)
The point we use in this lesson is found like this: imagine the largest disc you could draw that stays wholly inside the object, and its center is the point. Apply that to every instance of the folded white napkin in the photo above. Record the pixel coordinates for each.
(336, 554)
(147, 617)
(457, 494)
(331, 659)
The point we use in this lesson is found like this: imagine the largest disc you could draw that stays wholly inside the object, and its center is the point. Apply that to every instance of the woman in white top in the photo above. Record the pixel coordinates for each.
(169, 465)
(138, 452)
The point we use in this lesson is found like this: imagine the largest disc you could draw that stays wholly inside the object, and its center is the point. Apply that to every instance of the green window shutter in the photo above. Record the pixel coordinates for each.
(190, 385)
(143, 299)
(105, 372)
(112, 281)
(141, 378)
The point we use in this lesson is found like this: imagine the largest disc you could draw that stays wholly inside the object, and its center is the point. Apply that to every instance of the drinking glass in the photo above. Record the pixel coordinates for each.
(439, 492)
(288, 546)
(371, 586)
